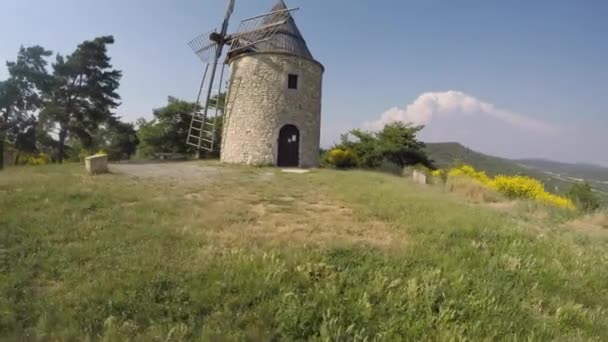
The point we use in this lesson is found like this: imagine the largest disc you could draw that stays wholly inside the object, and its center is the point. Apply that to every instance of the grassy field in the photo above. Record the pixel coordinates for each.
(256, 254)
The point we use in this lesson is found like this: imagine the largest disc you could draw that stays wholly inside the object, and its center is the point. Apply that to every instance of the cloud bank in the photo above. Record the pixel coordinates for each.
(430, 104)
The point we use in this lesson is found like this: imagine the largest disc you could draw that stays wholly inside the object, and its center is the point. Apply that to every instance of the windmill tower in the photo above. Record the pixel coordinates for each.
(272, 112)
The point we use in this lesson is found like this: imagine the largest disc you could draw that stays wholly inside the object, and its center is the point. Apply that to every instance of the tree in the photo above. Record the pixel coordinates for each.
(169, 129)
(121, 140)
(20, 96)
(395, 143)
(82, 93)
(584, 198)
(398, 144)
(364, 146)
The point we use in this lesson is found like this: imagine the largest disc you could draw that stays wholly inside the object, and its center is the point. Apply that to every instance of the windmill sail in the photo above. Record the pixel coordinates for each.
(204, 47)
(208, 48)
(261, 28)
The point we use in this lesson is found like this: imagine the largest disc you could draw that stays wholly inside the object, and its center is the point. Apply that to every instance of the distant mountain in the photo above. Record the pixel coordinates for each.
(578, 170)
(557, 177)
(449, 154)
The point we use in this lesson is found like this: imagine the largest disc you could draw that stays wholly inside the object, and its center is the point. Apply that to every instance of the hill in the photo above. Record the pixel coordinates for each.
(452, 153)
(596, 175)
(558, 177)
(198, 251)
(578, 170)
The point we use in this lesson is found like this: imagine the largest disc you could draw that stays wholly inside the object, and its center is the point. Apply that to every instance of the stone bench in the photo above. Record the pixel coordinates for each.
(419, 177)
(97, 164)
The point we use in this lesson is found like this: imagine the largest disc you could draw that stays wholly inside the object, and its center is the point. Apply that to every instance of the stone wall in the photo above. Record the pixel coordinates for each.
(419, 177)
(260, 103)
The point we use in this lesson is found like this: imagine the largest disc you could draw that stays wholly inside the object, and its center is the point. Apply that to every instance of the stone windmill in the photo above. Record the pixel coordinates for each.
(272, 108)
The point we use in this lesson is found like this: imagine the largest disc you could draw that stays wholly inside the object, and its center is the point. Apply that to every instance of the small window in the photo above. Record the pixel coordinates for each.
(292, 81)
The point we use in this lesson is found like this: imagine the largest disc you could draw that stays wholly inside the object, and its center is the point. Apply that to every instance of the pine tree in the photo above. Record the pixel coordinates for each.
(20, 97)
(82, 93)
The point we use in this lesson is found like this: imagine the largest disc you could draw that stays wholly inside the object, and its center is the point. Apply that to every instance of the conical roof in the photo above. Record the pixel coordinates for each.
(287, 38)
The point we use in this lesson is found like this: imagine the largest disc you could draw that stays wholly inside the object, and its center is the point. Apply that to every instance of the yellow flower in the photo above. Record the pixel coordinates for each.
(514, 186)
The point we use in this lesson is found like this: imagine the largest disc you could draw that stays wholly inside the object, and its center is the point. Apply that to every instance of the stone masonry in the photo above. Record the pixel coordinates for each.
(259, 103)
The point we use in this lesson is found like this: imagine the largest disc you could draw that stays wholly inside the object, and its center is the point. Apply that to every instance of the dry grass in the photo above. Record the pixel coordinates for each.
(241, 207)
(595, 224)
(472, 190)
(322, 224)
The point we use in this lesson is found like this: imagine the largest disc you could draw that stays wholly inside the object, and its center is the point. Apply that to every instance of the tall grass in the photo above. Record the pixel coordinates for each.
(472, 190)
(116, 258)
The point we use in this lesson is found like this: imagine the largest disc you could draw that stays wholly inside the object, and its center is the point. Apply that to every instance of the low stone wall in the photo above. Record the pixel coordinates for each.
(97, 164)
(419, 177)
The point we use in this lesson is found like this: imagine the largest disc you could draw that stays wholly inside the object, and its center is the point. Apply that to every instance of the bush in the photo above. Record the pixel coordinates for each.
(583, 196)
(439, 176)
(388, 166)
(32, 159)
(468, 170)
(513, 186)
(518, 186)
(396, 143)
(341, 158)
(526, 187)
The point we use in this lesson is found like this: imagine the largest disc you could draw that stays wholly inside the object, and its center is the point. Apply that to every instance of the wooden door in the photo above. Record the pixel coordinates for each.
(289, 146)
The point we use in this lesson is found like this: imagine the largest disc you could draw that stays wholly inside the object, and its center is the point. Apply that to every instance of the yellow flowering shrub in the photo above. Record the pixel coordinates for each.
(32, 159)
(557, 201)
(514, 186)
(468, 170)
(341, 158)
(518, 186)
(437, 173)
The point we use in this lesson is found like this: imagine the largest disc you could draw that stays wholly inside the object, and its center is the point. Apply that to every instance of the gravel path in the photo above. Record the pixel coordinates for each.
(180, 171)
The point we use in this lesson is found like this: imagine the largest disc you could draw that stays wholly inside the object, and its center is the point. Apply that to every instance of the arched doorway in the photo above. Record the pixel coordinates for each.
(289, 146)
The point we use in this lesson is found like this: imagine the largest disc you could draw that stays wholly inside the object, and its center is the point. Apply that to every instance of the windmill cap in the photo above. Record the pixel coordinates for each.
(286, 39)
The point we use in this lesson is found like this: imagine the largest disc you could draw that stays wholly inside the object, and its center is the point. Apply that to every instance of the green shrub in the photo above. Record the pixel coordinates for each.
(390, 167)
(396, 143)
(583, 196)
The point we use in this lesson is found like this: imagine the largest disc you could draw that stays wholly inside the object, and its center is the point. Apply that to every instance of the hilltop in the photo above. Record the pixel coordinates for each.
(557, 176)
(195, 250)
(452, 153)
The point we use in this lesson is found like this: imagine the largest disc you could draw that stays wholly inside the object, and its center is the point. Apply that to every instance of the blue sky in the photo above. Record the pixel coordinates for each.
(511, 78)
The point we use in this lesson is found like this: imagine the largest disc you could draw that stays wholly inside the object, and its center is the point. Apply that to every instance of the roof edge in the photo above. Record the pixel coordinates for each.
(232, 59)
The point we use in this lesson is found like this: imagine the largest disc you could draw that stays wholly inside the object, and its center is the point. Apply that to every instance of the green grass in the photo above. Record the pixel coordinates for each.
(255, 254)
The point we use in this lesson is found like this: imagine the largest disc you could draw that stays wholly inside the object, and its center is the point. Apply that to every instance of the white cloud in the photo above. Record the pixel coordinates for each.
(427, 105)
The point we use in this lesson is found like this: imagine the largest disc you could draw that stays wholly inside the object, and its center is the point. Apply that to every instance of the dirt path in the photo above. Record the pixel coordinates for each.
(173, 171)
